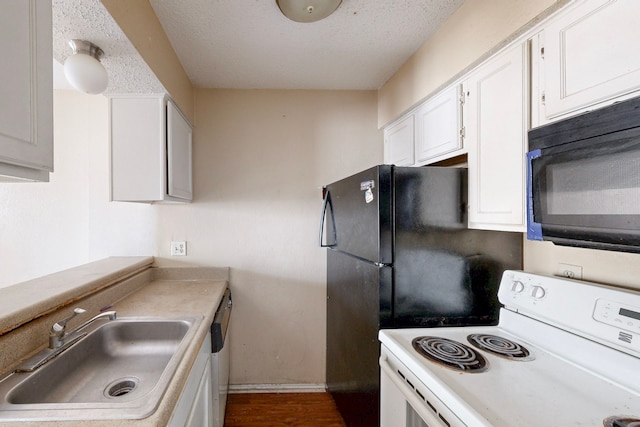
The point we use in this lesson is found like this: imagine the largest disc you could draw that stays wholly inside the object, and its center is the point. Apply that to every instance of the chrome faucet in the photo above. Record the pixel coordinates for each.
(60, 339)
(58, 336)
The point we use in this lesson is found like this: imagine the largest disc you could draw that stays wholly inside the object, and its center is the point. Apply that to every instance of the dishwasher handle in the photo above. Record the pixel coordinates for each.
(221, 322)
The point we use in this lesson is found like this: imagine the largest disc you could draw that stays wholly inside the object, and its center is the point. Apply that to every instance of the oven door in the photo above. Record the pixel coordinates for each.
(405, 401)
(587, 192)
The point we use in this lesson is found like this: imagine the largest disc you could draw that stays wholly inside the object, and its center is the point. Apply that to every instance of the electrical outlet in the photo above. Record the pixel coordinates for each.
(569, 271)
(178, 248)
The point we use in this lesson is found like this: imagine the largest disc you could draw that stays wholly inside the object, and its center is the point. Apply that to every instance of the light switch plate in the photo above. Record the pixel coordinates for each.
(179, 248)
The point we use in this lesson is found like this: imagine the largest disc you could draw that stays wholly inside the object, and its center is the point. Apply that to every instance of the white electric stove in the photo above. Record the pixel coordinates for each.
(565, 353)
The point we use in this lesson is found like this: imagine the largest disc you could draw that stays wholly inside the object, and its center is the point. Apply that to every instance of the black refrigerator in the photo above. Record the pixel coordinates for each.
(400, 255)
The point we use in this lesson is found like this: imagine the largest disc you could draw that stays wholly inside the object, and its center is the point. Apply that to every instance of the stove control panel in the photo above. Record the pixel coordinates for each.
(619, 315)
(587, 309)
(523, 290)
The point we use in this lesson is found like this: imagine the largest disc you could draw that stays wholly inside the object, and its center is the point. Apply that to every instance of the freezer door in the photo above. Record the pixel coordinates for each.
(361, 208)
(430, 198)
(358, 304)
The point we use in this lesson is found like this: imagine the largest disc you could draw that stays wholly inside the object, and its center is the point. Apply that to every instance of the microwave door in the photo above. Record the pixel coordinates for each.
(587, 191)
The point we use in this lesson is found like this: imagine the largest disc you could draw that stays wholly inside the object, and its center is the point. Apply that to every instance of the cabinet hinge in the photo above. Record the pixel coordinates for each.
(462, 99)
(543, 98)
(542, 52)
(463, 131)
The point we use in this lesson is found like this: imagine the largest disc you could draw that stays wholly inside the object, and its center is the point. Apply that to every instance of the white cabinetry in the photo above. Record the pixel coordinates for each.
(589, 54)
(150, 150)
(496, 122)
(26, 111)
(438, 126)
(398, 142)
(195, 405)
(430, 133)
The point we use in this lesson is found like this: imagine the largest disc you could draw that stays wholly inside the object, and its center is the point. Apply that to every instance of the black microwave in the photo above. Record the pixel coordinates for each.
(583, 184)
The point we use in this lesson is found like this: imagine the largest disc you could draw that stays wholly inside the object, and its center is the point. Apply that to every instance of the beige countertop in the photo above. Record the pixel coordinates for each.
(26, 301)
(169, 298)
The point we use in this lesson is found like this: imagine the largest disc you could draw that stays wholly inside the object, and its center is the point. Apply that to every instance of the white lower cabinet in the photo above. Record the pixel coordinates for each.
(195, 406)
(26, 111)
(496, 122)
(151, 148)
(589, 54)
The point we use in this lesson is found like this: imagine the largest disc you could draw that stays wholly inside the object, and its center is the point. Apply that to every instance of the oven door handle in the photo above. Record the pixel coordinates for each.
(418, 405)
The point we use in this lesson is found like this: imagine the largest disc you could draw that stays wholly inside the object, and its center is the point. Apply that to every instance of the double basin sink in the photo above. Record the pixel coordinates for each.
(119, 370)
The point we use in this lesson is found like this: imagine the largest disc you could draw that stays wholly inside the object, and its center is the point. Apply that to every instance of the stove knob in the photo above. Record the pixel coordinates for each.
(538, 292)
(517, 287)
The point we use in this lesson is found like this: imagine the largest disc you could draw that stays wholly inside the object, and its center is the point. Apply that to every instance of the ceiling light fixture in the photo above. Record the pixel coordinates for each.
(83, 68)
(307, 10)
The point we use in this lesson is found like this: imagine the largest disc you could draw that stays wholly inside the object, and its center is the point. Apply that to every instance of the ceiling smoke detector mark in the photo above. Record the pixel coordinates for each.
(569, 271)
(178, 248)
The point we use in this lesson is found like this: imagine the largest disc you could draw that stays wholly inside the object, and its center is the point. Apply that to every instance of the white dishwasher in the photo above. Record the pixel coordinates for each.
(220, 359)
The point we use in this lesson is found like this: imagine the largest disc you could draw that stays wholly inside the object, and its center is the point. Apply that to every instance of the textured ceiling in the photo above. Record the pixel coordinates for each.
(89, 20)
(250, 44)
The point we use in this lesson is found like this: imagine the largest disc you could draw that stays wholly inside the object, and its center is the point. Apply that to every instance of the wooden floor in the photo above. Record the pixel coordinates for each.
(282, 409)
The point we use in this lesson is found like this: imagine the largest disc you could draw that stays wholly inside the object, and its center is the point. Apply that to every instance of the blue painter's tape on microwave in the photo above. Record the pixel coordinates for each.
(534, 229)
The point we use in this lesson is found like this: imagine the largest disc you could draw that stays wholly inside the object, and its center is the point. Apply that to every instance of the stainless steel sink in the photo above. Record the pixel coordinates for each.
(121, 369)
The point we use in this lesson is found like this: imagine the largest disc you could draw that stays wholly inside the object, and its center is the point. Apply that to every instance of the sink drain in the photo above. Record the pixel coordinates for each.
(121, 387)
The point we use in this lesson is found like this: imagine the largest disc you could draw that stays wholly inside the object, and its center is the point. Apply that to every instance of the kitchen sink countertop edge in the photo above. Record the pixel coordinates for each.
(162, 297)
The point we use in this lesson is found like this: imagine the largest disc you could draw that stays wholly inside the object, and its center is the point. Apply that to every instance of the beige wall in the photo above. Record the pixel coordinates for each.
(138, 21)
(48, 227)
(260, 160)
(613, 268)
(472, 31)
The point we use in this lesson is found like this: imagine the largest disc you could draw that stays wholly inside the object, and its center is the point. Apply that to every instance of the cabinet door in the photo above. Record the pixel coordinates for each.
(438, 124)
(137, 148)
(150, 150)
(398, 143)
(201, 410)
(496, 122)
(195, 407)
(591, 55)
(26, 111)
(179, 140)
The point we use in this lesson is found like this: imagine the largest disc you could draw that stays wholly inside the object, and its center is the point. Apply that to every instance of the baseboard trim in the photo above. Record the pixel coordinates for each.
(276, 388)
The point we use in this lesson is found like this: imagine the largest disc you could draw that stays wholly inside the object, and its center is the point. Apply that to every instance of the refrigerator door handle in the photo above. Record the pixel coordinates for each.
(327, 205)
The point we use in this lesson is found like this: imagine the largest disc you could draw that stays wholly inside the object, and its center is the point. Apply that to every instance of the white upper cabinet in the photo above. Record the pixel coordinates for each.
(438, 126)
(150, 150)
(398, 142)
(26, 85)
(179, 158)
(589, 54)
(496, 123)
(430, 133)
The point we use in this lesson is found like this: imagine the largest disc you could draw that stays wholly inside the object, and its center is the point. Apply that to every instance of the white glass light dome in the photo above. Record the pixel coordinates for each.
(83, 70)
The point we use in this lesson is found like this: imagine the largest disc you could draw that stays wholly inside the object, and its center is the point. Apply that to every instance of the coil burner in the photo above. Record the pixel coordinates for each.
(500, 346)
(450, 353)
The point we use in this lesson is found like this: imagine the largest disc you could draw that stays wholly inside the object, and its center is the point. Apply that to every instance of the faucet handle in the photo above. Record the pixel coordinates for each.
(60, 325)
